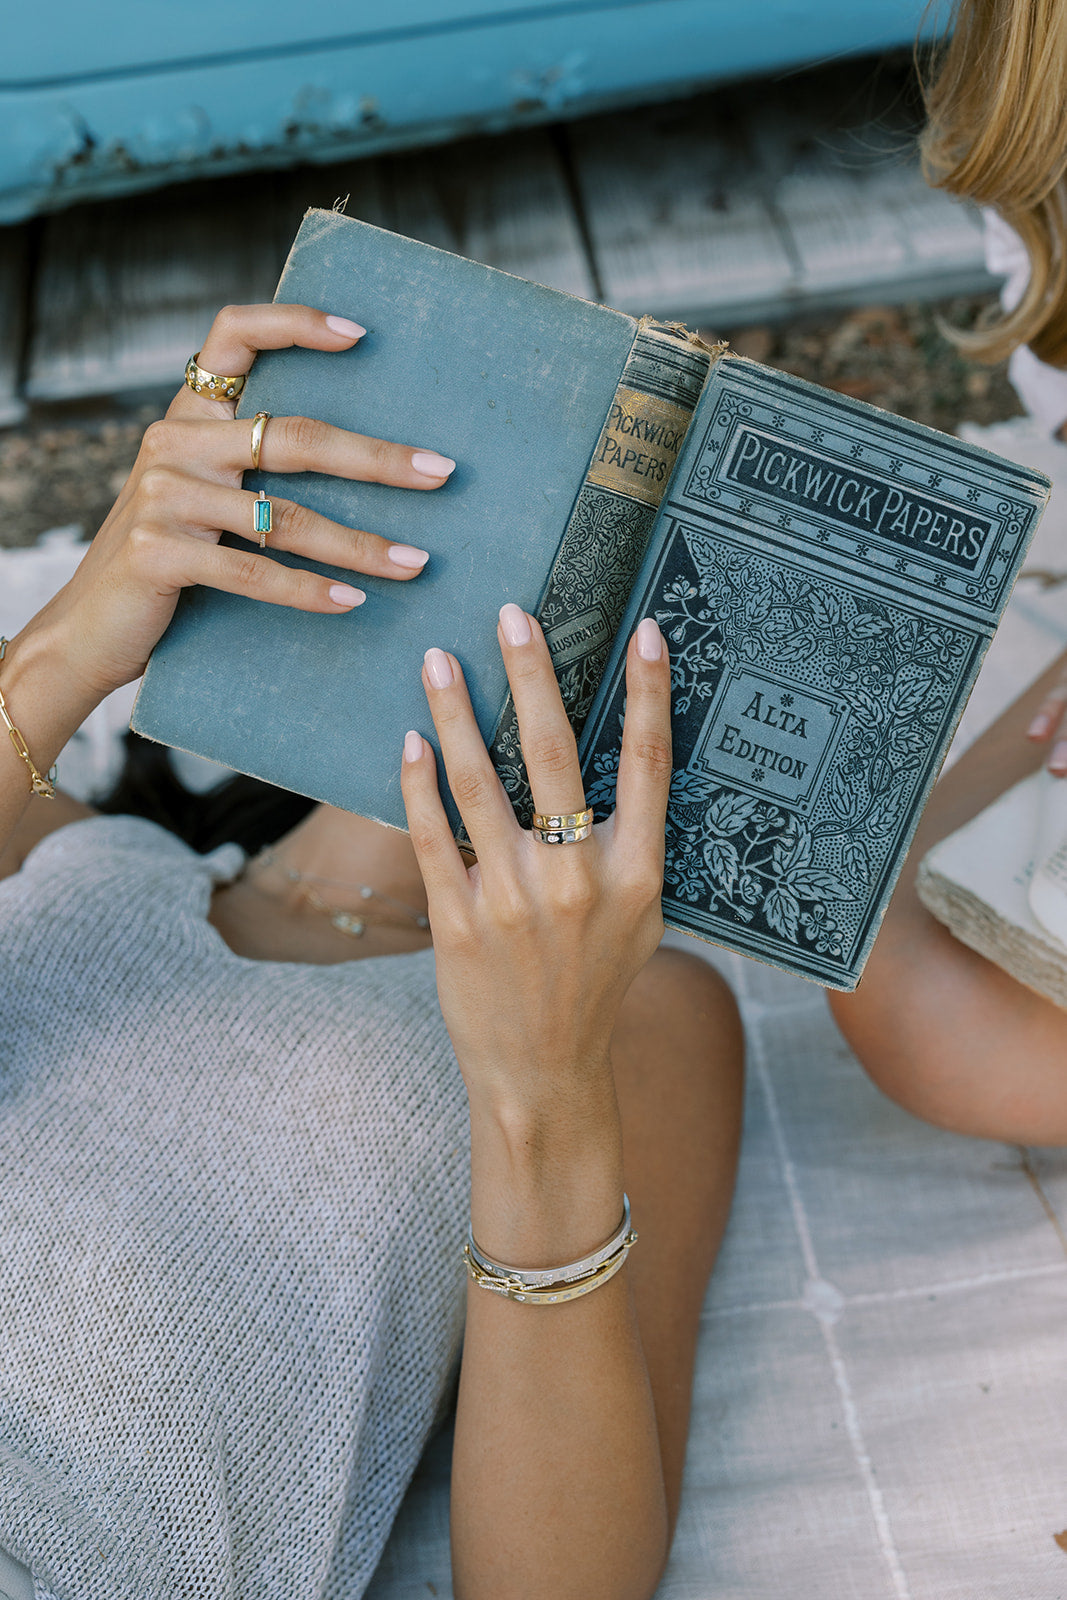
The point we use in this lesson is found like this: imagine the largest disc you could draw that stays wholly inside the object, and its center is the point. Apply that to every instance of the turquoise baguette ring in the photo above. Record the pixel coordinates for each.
(261, 517)
(212, 385)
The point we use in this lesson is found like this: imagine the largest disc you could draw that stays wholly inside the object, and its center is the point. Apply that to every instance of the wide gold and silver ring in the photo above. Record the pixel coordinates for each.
(566, 827)
(212, 385)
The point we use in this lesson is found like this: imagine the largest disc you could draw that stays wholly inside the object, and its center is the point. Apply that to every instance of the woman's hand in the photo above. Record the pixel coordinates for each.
(185, 490)
(1050, 724)
(537, 944)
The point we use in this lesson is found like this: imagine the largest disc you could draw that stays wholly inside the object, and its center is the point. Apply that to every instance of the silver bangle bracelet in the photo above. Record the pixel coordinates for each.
(545, 1277)
(552, 1293)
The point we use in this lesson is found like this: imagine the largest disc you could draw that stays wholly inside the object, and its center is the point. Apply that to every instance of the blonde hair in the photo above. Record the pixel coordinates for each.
(996, 133)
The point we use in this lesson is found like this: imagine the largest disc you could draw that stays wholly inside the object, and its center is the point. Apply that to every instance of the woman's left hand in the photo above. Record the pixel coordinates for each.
(537, 944)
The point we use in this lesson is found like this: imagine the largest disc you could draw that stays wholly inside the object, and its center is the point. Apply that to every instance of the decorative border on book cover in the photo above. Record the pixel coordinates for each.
(906, 504)
(607, 535)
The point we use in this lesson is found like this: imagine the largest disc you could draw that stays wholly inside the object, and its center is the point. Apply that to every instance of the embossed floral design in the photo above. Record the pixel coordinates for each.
(755, 860)
(890, 671)
(822, 930)
(800, 876)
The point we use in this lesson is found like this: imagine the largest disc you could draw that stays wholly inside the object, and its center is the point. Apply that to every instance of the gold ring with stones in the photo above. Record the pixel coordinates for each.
(212, 385)
(562, 827)
(259, 428)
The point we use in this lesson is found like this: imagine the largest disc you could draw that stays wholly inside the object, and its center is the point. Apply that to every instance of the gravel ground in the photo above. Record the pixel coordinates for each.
(66, 466)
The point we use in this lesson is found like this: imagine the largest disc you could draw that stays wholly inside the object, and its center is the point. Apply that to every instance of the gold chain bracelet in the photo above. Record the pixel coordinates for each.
(44, 786)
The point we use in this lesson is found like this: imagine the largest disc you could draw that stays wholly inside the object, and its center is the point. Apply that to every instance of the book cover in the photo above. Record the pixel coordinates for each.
(828, 578)
(565, 420)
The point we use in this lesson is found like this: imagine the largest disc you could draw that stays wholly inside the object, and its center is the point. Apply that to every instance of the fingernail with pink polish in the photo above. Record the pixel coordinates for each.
(515, 624)
(406, 555)
(430, 465)
(1041, 725)
(343, 594)
(347, 329)
(1057, 761)
(412, 745)
(438, 669)
(649, 640)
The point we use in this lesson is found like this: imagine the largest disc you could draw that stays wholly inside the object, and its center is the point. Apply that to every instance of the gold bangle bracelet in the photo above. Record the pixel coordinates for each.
(513, 1289)
(43, 786)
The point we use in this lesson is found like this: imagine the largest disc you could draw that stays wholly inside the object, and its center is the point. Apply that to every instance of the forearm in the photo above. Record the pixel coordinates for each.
(557, 1482)
(47, 704)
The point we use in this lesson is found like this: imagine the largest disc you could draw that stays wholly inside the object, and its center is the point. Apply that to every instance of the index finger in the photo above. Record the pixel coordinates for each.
(645, 762)
(239, 333)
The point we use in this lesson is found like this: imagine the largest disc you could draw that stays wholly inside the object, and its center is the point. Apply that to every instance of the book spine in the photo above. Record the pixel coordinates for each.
(607, 534)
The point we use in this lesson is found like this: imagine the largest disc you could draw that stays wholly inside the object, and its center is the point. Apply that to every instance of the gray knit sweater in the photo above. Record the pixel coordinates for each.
(233, 1196)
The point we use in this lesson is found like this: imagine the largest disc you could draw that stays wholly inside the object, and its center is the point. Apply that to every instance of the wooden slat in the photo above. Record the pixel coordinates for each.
(762, 200)
(13, 266)
(861, 220)
(126, 291)
(504, 201)
(359, 188)
(676, 212)
(748, 203)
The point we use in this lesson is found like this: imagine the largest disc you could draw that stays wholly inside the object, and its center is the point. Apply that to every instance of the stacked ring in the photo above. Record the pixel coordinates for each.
(259, 428)
(562, 828)
(262, 517)
(212, 385)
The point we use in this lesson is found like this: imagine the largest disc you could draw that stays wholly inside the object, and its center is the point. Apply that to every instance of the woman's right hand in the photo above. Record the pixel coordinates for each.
(185, 490)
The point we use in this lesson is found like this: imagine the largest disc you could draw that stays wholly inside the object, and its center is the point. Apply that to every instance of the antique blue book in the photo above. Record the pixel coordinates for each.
(828, 577)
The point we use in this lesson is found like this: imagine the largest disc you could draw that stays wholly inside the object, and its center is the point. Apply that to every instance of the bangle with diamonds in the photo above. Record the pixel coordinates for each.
(549, 1285)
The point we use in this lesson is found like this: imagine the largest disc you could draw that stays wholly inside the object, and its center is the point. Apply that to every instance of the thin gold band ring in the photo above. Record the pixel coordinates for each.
(259, 428)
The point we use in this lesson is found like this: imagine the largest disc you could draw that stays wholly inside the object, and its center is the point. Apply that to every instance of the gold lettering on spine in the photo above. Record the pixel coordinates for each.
(639, 445)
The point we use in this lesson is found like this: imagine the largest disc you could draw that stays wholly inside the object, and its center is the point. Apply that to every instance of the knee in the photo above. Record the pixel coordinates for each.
(679, 1070)
(905, 1053)
(682, 1003)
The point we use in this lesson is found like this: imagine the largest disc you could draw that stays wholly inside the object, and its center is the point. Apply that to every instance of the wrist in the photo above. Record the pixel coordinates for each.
(45, 698)
(546, 1179)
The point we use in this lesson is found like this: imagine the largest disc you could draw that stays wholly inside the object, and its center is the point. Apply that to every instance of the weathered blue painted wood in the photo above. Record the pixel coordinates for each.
(119, 96)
